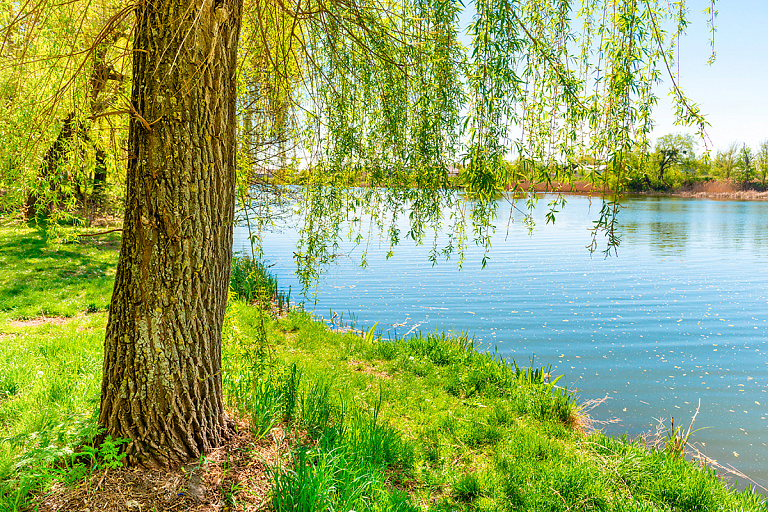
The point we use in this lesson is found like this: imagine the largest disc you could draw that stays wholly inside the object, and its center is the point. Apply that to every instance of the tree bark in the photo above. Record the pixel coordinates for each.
(99, 173)
(162, 385)
(51, 160)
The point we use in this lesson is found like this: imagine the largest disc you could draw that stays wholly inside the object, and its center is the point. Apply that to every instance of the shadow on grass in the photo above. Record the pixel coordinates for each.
(41, 278)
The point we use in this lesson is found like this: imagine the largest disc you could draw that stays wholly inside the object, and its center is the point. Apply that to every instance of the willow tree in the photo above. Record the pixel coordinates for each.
(62, 73)
(377, 93)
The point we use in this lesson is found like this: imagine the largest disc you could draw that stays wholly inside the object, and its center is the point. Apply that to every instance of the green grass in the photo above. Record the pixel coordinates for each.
(430, 423)
(469, 431)
(39, 279)
(251, 281)
(49, 389)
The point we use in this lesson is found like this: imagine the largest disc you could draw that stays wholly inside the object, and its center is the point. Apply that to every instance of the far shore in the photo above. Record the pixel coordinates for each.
(715, 190)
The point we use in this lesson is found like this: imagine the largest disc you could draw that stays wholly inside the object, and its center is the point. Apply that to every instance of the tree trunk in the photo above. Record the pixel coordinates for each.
(162, 385)
(49, 169)
(100, 173)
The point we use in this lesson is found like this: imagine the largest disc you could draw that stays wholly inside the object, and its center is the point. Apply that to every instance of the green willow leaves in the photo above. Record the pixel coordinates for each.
(513, 94)
(64, 76)
(362, 113)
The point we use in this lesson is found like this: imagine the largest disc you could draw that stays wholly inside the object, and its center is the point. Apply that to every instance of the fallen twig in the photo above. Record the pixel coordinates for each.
(101, 232)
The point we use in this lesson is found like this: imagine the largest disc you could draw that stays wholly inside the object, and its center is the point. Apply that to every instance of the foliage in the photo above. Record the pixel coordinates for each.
(745, 164)
(724, 163)
(761, 161)
(62, 78)
(387, 95)
(674, 150)
(110, 452)
(675, 166)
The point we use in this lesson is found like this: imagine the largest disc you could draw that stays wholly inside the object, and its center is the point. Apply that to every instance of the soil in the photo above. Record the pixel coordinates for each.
(362, 366)
(34, 322)
(233, 477)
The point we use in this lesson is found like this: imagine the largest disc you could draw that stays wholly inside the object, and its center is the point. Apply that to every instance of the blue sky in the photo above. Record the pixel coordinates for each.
(733, 92)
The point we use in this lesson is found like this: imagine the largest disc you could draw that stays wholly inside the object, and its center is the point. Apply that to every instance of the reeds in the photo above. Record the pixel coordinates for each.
(252, 282)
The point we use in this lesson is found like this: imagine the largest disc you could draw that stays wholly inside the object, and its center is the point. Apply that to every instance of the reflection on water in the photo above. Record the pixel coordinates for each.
(679, 316)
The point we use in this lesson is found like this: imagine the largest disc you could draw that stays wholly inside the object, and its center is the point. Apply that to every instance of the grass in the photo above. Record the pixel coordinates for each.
(431, 423)
(38, 279)
(251, 281)
(467, 430)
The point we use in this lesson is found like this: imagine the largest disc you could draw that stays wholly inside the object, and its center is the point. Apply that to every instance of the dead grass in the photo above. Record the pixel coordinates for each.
(585, 423)
(233, 477)
(362, 366)
(723, 190)
(738, 195)
(577, 187)
(42, 320)
(716, 187)
(719, 190)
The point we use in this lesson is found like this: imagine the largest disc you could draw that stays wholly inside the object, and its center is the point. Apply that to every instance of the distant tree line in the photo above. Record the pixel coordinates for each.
(675, 164)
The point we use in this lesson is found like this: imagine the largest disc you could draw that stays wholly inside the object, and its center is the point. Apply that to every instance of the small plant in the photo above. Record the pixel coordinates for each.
(74, 474)
(265, 406)
(370, 334)
(110, 452)
(316, 407)
(535, 375)
(230, 493)
(289, 391)
(373, 441)
(328, 480)
(673, 440)
(91, 454)
(251, 280)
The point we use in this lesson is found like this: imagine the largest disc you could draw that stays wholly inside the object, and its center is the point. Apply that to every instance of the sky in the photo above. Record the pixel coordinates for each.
(733, 92)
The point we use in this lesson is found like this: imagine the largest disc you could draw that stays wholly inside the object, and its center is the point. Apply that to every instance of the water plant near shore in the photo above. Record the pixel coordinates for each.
(251, 280)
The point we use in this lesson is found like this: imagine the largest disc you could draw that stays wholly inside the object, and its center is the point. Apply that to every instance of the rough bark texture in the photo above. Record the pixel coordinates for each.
(162, 385)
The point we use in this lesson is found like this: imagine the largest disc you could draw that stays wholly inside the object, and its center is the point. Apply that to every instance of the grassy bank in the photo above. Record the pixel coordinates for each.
(425, 424)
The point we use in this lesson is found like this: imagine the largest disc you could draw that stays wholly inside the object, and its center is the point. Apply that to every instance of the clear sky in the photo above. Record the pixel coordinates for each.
(733, 92)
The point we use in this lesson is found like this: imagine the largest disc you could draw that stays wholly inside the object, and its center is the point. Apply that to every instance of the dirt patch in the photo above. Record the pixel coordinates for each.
(33, 322)
(102, 244)
(233, 477)
(362, 366)
(106, 220)
(718, 190)
(737, 195)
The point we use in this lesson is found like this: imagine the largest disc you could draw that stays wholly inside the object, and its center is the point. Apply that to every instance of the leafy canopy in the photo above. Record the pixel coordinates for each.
(369, 104)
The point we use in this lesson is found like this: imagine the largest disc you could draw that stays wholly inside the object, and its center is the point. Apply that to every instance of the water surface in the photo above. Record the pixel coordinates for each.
(677, 317)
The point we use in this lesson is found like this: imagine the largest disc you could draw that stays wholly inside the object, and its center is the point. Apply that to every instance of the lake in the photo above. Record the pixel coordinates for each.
(679, 316)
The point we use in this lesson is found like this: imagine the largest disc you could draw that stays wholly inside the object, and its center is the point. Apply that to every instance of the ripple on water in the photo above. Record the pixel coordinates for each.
(679, 316)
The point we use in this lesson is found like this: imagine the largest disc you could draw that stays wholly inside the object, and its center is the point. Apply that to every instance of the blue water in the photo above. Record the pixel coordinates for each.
(678, 316)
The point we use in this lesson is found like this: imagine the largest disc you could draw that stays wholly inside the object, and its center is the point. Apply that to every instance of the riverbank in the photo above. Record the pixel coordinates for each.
(337, 419)
(716, 190)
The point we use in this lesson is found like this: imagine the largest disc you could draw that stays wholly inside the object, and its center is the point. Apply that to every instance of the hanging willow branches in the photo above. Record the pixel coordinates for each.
(369, 105)
(389, 97)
